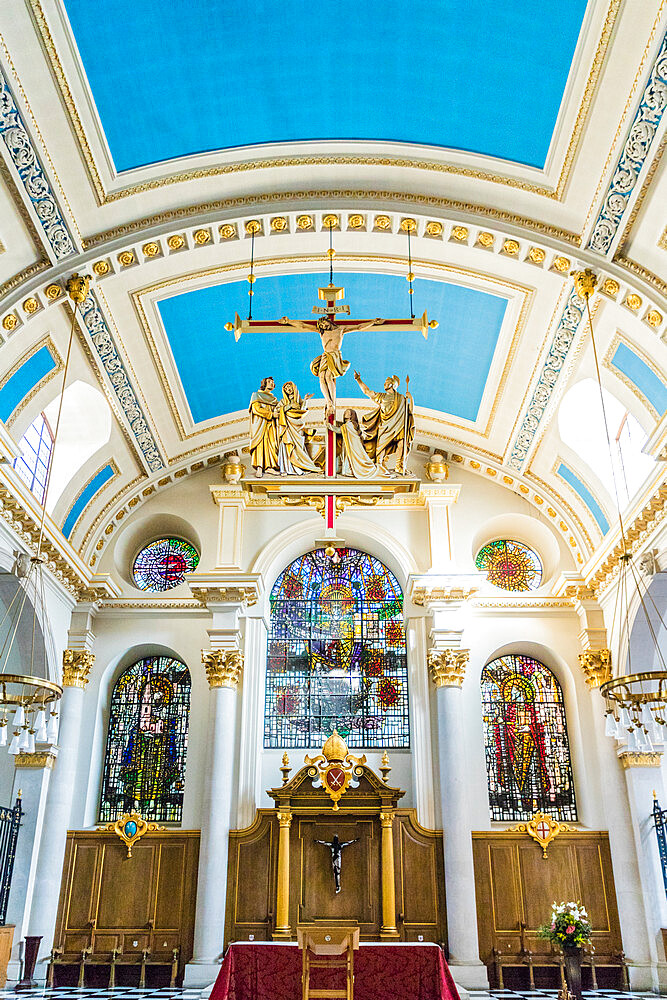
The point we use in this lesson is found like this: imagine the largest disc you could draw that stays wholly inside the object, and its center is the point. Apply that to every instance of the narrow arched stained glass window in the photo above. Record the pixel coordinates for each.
(510, 565)
(525, 741)
(162, 564)
(144, 767)
(336, 654)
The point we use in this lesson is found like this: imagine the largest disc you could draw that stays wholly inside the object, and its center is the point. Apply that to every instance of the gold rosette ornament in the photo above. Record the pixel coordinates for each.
(335, 767)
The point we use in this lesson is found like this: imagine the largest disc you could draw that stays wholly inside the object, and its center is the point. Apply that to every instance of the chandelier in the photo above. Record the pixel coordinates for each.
(635, 702)
(28, 699)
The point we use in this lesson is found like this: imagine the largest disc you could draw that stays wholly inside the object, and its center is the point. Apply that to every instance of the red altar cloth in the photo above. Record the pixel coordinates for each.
(259, 971)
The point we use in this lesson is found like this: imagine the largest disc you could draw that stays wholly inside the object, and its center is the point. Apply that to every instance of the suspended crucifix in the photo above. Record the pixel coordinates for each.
(277, 437)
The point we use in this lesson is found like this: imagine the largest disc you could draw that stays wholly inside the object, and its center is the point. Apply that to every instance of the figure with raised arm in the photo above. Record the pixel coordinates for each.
(329, 365)
(264, 428)
(336, 848)
(391, 427)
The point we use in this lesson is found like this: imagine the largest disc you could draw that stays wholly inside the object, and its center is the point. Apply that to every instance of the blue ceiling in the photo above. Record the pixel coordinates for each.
(177, 77)
(447, 372)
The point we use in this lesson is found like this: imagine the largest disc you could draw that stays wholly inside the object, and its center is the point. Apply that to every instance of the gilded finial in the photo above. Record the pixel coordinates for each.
(385, 766)
(285, 768)
(77, 287)
(585, 282)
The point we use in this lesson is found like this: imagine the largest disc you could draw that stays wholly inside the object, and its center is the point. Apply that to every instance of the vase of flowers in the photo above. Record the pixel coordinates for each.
(570, 928)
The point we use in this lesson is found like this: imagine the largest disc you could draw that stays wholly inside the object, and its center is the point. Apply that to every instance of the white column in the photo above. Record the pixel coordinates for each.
(44, 910)
(644, 779)
(224, 664)
(420, 723)
(447, 670)
(252, 718)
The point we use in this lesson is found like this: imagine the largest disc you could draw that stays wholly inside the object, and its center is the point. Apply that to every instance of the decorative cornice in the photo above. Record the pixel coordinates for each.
(596, 665)
(31, 172)
(223, 667)
(225, 588)
(629, 760)
(109, 357)
(448, 666)
(76, 667)
(560, 345)
(636, 533)
(43, 759)
(633, 156)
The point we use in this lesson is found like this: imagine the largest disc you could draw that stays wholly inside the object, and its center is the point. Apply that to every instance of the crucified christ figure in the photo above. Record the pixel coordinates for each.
(336, 848)
(329, 365)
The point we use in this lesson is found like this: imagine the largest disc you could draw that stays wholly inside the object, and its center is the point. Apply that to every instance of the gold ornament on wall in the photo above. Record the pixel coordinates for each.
(335, 767)
(542, 829)
(130, 827)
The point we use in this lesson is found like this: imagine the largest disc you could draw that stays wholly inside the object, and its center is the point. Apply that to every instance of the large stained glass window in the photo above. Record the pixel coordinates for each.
(510, 565)
(144, 768)
(162, 564)
(336, 654)
(525, 740)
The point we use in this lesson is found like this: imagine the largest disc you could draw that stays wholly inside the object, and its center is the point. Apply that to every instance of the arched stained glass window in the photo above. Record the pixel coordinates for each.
(510, 565)
(144, 768)
(336, 654)
(525, 740)
(162, 564)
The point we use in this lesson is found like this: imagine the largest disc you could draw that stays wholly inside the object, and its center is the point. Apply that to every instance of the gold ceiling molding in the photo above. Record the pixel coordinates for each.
(123, 491)
(651, 515)
(528, 296)
(326, 196)
(662, 242)
(629, 104)
(116, 472)
(531, 477)
(104, 196)
(622, 377)
(643, 273)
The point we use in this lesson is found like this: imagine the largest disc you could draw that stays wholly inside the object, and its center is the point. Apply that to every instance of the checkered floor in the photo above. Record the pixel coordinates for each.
(132, 993)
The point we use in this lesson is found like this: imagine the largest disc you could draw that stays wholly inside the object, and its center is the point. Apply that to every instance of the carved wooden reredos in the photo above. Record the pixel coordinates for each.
(392, 874)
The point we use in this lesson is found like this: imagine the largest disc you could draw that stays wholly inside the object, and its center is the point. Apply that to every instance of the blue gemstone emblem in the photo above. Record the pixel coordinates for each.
(130, 828)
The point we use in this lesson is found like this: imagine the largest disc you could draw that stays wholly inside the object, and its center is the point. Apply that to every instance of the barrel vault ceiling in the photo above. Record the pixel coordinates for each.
(137, 152)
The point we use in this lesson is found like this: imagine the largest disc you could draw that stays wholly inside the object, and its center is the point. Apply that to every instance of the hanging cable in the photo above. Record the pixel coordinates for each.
(251, 227)
(409, 226)
(331, 221)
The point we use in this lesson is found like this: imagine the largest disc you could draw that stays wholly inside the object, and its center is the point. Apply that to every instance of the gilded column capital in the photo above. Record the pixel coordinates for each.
(386, 819)
(448, 666)
(76, 667)
(284, 819)
(596, 665)
(629, 760)
(39, 760)
(223, 667)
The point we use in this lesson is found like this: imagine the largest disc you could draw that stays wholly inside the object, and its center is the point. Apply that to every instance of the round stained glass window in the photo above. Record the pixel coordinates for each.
(510, 565)
(163, 564)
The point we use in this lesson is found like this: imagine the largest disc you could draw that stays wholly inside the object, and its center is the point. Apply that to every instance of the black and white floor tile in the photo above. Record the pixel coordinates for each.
(167, 993)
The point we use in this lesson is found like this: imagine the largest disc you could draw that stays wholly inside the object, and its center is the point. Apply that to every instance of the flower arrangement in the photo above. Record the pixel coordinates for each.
(569, 925)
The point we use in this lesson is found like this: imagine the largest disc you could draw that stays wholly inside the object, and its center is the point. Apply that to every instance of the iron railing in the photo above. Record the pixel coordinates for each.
(659, 821)
(10, 821)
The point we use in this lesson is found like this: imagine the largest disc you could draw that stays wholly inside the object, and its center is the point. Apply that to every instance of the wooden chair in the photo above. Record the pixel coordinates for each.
(328, 947)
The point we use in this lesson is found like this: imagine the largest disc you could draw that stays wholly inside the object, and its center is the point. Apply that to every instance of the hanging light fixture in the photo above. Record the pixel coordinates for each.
(27, 696)
(636, 702)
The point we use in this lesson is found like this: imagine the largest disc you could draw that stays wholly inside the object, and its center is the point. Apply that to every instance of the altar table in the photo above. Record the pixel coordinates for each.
(272, 971)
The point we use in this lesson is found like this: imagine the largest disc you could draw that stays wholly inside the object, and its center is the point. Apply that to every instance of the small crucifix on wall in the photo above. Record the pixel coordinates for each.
(336, 848)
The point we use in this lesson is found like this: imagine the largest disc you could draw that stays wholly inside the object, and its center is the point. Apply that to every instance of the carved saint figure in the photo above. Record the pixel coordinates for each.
(293, 459)
(329, 365)
(356, 461)
(264, 428)
(336, 848)
(391, 427)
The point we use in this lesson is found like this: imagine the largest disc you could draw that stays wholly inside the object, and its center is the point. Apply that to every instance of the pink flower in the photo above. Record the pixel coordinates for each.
(569, 929)
(553, 926)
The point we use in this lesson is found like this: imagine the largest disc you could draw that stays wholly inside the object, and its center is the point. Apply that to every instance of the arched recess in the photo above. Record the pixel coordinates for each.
(526, 742)
(146, 741)
(337, 654)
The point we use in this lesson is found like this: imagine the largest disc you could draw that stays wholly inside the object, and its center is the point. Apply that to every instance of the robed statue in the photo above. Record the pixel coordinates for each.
(264, 429)
(390, 428)
(356, 461)
(293, 459)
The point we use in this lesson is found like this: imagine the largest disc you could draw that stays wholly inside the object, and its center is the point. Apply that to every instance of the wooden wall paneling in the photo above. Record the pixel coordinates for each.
(360, 866)
(127, 886)
(251, 880)
(420, 880)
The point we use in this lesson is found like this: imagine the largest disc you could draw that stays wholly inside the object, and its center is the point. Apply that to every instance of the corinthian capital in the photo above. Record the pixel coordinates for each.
(448, 666)
(223, 667)
(76, 667)
(596, 665)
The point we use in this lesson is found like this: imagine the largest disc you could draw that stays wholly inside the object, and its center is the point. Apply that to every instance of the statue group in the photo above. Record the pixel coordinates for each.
(281, 444)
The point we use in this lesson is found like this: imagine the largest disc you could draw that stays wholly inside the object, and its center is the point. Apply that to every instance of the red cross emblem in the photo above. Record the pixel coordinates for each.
(335, 779)
(543, 830)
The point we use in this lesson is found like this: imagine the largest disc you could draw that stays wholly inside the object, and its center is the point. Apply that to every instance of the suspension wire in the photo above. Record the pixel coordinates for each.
(410, 277)
(331, 251)
(251, 276)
